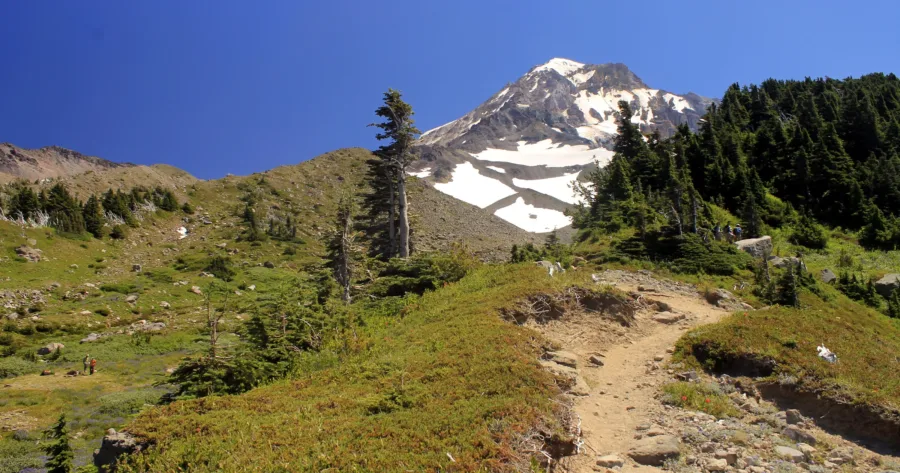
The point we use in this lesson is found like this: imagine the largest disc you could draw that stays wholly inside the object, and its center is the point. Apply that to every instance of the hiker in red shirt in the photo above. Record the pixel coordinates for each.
(93, 365)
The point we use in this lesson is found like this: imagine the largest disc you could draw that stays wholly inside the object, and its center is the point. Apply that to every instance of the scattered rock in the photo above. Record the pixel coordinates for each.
(688, 376)
(131, 299)
(50, 348)
(789, 453)
(251, 287)
(222, 245)
(564, 358)
(792, 416)
(30, 254)
(827, 276)
(667, 317)
(654, 451)
(806, 449)
(655, 431)
(730, 456)
(269, 264)
(165, 305)
(716, 464)
(196, 290)
(885, 286)
(136, 268)
(798, 435)
(596, 360)
(659, 358)
(756, 247)
(610, 461)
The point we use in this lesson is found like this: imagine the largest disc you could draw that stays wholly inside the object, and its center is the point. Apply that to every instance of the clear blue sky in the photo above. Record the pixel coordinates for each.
(238, 86)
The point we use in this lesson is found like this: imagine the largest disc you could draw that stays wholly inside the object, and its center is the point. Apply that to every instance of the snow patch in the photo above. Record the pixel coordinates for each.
(533, 219)
(679, 104)
(559, 187)
(581, 77)
(468, 185)
(495, 168)
(422, 174)
(560, 65)
(546, 153)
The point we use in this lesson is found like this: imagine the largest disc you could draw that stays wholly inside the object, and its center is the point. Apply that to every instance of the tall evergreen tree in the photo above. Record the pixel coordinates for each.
(64, 210)
(92, 213)
(398, 128)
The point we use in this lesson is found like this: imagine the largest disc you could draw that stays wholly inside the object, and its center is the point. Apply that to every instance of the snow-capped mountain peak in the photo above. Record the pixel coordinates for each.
(517, 153)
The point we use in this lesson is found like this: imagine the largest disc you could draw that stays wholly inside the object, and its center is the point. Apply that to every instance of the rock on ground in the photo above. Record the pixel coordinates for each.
(610, 461)
(31, 254)
(757, 247)
(827, 276)
(667, 317)
(888, 284)
(114, 445)
(564, 358)
(654, 451)
(789, 453)
(50, 348)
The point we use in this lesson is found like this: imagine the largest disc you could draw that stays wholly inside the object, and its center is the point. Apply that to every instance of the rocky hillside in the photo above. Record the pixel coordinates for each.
(516, 154)
(48, 162)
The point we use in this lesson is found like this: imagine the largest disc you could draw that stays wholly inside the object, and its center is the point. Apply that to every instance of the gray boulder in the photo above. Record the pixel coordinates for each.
(131, 299)
(789, 453)
(888, 284)
(50, 348)
(654, 451)
(798, 435)
(114, 445)
(91, 338)
(30, 254)
(563, 357)
(827, 276)
(757, 247)
(667, 317)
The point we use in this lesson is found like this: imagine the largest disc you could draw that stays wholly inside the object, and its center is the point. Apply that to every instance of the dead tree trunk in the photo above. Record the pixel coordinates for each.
(403, 210)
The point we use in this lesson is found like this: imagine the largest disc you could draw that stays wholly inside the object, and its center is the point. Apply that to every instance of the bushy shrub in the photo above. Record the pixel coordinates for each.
(187, 208)
(123, 404)
(12, 366)
(810, 234)
(119, 232)
(423, 273)
(220, 267)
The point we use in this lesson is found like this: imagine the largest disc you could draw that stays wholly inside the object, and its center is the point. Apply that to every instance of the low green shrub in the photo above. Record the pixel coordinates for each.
(12, 366)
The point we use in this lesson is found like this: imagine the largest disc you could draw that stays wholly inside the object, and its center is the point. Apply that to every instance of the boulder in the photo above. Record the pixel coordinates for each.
(887, 285)
(667, 318)
(827, 276)
(114, 445)
(91, 338)
(269, 264)
(716, 464)
(50, 348)
(806, 449)
(136, 268)
(798, 435)
(251, 287)
(654, 451)
(30, 254)
(165, 305)
(563, 357)
(610, 461)
(196, 290)
(756, 247)
(596, 360)
(789, 453)
(131, 299)
(792, 416)
(572, 382)
(783, 263)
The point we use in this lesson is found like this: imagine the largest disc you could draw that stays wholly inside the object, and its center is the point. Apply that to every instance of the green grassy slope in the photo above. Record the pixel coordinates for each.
(448, 376)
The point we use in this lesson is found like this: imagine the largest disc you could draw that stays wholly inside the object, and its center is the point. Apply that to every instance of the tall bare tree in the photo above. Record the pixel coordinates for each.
(342, 246)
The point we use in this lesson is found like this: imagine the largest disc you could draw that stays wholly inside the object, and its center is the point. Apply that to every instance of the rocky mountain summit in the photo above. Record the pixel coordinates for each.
(517, 153)
(48, 162)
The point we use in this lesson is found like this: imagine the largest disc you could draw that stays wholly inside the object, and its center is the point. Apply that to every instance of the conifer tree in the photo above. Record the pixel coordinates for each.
(92, 213)
(341, 246)
(398, 129)
(59, 452)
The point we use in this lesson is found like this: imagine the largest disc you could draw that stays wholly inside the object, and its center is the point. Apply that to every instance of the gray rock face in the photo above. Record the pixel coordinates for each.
(756, 247)
(798, 435)
(654, 451)
(114, 445)
(827, 276)
(888, 284)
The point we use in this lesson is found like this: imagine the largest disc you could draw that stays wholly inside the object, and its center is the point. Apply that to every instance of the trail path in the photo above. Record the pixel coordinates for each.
(622, 399)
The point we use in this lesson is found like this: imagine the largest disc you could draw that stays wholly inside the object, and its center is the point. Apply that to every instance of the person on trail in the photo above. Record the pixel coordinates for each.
(729, 237)
(717, 232)
(85, 361)
(737, 232)
(93, 365)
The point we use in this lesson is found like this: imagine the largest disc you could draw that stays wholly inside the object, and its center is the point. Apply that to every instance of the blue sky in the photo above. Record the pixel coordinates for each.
(218, 87)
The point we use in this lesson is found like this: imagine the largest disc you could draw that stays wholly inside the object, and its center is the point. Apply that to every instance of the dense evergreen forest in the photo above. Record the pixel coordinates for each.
(782, 153)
